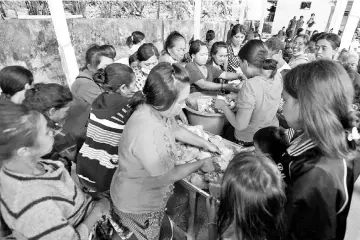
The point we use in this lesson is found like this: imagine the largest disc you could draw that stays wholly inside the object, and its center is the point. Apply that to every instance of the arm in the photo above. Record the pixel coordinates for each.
(231, 76)
(240, 120)
(206, 85)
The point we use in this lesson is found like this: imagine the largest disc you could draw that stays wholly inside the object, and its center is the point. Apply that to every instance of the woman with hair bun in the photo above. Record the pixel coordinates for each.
(135, 41)
(259, 98)
(143, 181)
(174, 48)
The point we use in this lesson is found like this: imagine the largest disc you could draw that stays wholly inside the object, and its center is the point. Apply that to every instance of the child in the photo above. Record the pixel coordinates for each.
(251, 203)
(38, 198)
(272, 142)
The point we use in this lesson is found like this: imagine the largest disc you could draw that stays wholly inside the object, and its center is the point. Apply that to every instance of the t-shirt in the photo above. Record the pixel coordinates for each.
(84, 87)
(196, 74)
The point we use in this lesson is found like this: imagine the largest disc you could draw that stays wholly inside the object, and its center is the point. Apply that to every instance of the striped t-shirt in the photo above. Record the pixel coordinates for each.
(98, 157)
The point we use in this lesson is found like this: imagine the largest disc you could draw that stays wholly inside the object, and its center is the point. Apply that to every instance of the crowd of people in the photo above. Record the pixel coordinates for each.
(119, 123)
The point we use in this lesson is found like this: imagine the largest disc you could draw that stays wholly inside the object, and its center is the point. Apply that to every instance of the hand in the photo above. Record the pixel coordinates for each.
(241, 76)
(211, 209)
(208, 165)
(183, 117)
(212, 147)
(102, 207)
(231, 87)
(220, 104)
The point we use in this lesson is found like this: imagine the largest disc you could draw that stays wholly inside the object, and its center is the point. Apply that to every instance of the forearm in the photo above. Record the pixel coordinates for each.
(232, 118)
(180, 172)
(208, 85)
(185, 136)
(229, 76)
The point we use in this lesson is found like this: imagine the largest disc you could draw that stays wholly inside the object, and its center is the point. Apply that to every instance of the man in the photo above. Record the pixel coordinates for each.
(299, 23)
(292, 26)
(281, 33)
(310, 24)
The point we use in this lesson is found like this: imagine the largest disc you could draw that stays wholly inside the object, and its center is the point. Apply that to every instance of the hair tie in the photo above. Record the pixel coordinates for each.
(354, 135)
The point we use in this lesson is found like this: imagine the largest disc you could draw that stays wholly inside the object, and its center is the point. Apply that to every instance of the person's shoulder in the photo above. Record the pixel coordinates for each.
(190, 66)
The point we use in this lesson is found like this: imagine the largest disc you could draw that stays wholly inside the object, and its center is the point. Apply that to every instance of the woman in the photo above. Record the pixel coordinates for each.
(147, 152)
(327, 46)
(97, 159)
(202, 75)
(237, 37)
(39, 199)
(147, 57)
(218, 55)
(84, 87)
(299, 46)
(210, 38)
(14, 81)
(249, 208)
(54, 101)
(174, 48)
(259, 98)
(134, 41)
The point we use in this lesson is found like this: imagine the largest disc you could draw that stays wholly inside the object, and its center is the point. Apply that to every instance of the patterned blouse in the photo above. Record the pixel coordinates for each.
(140, 78)
(233, 60)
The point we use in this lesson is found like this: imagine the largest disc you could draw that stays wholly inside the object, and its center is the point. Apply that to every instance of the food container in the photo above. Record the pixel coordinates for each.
(212, 122)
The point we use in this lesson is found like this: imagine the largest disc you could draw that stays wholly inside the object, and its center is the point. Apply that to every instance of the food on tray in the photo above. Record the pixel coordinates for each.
(205, 104)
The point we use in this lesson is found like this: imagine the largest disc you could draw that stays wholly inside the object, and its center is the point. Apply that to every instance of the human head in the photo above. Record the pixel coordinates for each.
(165, 90)
(327, 45)
(349, 58)
(294, 17)
(117, 78)
(219, 53)
(136, 37)
(312, 43)
(14, 81)
(315, 32)
(24, 132)
(109, 50)
(210, 35)
(133, 61)
(96, 58)
(249, 36)
(313, 15)
(331, 30)
(199, 52)
(317, 98)
(289, 33)
(254, 59)
(271, 141)
(300, 44)
(301, 17)
(299, 31)
(252, 198)
(275, 48)
(52, 100)
(175, 45)
(148, 57)
(237, 35)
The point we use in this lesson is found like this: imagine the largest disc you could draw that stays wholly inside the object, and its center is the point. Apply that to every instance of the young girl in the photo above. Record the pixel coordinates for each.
(174, 48)
(327, 46)
(259, 98)
(14, 81)
(97, 159)
(38, 198)
(318, 165)
(134, 41)
(53, 101)
(202, 75)
(237, 36)
(251, 203)
(299, 46)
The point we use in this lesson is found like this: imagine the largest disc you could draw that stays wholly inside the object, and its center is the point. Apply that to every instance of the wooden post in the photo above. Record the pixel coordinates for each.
(197, 18)
(262, 8)
(351, 25)
(66, 50)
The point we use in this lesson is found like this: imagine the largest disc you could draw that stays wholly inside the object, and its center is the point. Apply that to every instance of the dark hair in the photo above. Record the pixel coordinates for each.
(252, 198)
(135, 38)
(315, 37)
(146, 51)
(114, 76)
(133, 58)
(305, 38)
(313, 14)
(93, 56)
(171, 39)
(210, 35)
(274, 44)
(13, 79)
(42, 97)
(255, 53)
(301, 16)
(325, 93)
(195, 47)
(299, 31)
(332, 38)
(238, 28)
(162, 86)
(215, 47)
(272, 141)
(315, 32)
(18, 128)
(109, 50)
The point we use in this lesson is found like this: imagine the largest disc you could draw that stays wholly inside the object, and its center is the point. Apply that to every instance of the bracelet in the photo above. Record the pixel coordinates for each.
(210, 223)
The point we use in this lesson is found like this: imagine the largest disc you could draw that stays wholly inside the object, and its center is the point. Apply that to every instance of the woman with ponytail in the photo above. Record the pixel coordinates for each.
(143, 182)
(318, 167)
(135, 41)
(97, 159)
(259, 98)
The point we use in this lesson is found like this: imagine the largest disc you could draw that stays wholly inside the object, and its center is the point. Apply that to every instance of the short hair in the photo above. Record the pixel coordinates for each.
(146, 51)
(13, 79)
(332, 38)
(93, 56)
(215, 47)
(275, 44)
(109, 50)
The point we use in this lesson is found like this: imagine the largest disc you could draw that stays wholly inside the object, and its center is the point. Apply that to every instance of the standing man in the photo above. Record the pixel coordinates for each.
(292, 26)
(299, 23)
(310, 24)
(281, 33)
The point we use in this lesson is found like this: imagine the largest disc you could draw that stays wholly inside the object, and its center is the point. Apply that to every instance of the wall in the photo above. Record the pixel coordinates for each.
(287, 9)
(33, 44)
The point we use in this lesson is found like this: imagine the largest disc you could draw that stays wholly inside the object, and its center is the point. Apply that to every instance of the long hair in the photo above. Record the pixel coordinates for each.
(252, 199)
(324, 92)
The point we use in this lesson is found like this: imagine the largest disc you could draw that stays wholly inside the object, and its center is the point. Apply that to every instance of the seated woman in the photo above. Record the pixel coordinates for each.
(251, 203)
(203, 75)
(134, 41)
(14, 81)
(327, 46)
(259, 98)
(98, 159)
(143, 181)
(53, 101)
(38, 198)
(174, 48)
(299, 46)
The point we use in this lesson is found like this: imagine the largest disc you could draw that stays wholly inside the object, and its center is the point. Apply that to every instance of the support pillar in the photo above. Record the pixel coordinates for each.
(197, 18)
(66, 50)
(351, 25)
(242, 11)
(338, 15)
(263, 14)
